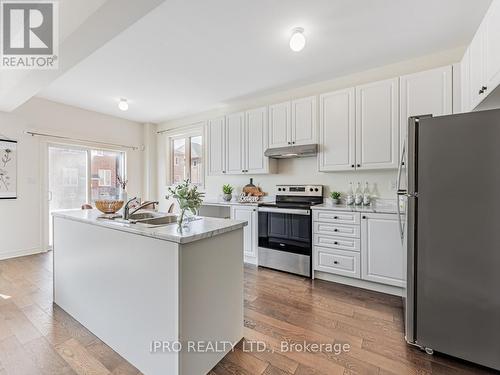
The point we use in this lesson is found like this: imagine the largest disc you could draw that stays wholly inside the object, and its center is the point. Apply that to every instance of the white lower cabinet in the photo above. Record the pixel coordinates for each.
(359, 246)
(345, 263)
(381, 249)
(250, 244)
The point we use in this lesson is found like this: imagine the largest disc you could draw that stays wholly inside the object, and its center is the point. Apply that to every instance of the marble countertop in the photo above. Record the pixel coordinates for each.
(217, 201)
(380, 208)
(203, 227)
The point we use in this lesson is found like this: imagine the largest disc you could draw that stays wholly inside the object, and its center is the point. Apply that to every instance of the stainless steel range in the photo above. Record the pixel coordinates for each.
(285, 228)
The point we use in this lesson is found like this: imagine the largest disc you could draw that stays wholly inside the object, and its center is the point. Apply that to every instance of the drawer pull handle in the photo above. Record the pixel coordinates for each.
(335, 217)
(335, 230)
(335, 243)
(335, 262)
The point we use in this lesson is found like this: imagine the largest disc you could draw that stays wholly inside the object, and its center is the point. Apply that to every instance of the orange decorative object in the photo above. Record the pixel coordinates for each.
(108, 206)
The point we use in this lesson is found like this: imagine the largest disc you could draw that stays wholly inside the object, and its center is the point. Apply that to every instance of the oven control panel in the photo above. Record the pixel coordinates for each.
(300, 190)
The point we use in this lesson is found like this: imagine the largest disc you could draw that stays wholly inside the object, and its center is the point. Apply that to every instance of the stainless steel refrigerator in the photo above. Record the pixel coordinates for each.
(449, 180)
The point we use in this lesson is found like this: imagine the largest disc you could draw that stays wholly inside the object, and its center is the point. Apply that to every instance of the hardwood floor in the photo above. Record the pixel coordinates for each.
(39, 338)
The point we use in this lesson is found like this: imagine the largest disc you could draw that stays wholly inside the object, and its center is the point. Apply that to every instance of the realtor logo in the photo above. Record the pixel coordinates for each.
(29, 34)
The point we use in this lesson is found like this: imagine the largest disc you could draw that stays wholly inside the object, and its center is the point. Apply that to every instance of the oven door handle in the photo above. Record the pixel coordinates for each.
(291, 211)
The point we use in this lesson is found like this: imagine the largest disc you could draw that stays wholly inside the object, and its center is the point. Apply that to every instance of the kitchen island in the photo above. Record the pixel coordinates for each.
(169, 302)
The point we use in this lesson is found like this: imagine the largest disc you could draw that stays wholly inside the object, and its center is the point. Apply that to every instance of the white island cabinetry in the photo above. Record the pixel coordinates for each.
(133, 286)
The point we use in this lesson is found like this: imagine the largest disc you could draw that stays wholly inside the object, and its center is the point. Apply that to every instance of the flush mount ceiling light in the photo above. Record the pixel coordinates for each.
(123, 104)
(297, 40)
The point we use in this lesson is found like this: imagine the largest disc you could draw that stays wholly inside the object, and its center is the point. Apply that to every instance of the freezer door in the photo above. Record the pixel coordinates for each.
(458, 236)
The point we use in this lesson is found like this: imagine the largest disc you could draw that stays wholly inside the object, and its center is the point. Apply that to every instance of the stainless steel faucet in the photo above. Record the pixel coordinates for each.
(127, 212)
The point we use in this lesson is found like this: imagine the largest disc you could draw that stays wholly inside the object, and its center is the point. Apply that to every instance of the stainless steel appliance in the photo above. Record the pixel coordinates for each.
(285, 229)
(450, 184)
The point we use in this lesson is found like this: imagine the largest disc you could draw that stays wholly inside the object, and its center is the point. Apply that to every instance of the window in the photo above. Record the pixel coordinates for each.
(105, 167)
(78, 175)
(70, 177)
(186, 154)
(104, 177)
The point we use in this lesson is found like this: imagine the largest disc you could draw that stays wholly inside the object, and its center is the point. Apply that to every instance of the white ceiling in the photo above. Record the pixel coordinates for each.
(188, 56)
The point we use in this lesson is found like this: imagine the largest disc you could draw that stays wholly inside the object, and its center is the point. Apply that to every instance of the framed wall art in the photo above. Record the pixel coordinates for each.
(8, 169)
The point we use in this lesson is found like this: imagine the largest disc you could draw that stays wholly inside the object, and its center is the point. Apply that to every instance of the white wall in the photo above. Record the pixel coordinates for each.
(21, 219)
(305, 170)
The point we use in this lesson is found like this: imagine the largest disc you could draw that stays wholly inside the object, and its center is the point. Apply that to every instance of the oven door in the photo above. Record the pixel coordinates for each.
(285, 239)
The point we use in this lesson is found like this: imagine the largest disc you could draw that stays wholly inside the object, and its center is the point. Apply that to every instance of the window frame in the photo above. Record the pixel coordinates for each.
(106, 177)
(187, 136)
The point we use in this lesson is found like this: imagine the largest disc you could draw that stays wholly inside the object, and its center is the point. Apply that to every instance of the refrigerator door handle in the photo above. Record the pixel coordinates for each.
(401, 192)
(400, 167)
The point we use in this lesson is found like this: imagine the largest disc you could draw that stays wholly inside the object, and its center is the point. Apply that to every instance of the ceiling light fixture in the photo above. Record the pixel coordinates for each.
(123, 104)
(297, 40)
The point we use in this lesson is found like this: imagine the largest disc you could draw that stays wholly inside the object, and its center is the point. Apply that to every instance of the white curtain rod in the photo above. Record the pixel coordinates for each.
(181, 128)
(35, 134)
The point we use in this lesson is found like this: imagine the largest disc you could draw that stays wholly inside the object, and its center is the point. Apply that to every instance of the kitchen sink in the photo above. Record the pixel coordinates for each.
(147, 219)
(157, 221)
(144, 215)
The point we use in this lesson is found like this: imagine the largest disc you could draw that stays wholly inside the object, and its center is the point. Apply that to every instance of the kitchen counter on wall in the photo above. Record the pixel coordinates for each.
(216, 201)
(381, 207)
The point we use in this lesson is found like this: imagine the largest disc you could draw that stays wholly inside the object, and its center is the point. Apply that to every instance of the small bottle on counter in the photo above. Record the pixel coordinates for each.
(350, 195)
(366, 195)
(358, 195)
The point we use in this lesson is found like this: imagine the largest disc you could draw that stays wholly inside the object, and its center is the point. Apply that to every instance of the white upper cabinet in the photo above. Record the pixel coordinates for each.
(476, 69)
(425, 93)
(235, 146)
(256, 135)
(304, 121)
(377, 125)
(216, 146)
(336, 131)
(382, 254)
(280, 125)
(482, 63)
(465, 82)
(293, 123)
(492, 47)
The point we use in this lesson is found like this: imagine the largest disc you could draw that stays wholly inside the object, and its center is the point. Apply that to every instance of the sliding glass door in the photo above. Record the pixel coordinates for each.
(78, 175)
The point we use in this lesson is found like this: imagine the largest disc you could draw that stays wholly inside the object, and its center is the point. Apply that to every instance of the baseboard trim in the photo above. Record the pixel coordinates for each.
(21, 253)
(250, 259)
(388, 289)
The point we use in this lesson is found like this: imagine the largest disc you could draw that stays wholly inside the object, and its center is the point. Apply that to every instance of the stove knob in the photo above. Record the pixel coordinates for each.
(316, 189)
(310, 189)
(279, 189)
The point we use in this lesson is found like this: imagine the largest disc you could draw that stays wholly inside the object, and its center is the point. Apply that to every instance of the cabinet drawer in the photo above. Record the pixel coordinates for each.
(334, 242)
(332, 229)
(340, 217)
(345, 263)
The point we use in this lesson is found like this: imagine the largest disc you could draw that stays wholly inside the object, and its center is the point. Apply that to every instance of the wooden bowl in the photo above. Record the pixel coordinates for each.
(108, 206)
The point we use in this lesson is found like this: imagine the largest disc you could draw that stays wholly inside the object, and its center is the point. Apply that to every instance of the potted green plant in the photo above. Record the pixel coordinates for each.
(335, 196)
(189, 199)
(227, 190)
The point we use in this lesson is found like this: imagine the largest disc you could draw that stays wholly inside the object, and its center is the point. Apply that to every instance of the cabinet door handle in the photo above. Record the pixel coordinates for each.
(352, 165)
(223, 171)
(335, 262)
(364, 217)
(359, 165)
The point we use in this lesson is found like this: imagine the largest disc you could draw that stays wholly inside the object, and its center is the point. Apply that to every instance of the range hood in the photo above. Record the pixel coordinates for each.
(288, 152)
